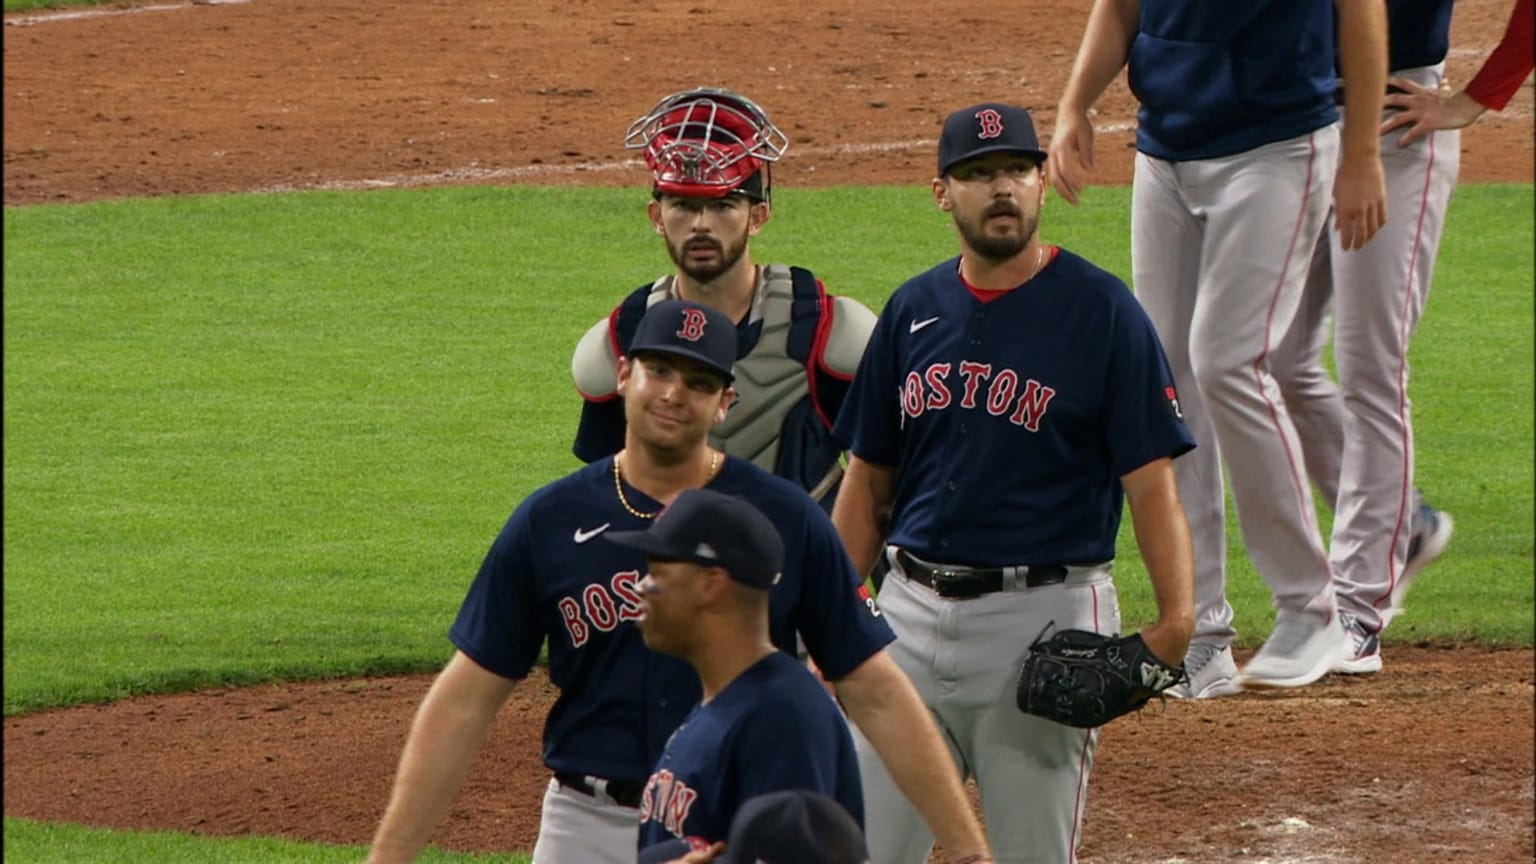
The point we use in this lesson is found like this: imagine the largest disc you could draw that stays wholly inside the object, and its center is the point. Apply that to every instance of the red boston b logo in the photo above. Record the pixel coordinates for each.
(693, 325)
(991, 123)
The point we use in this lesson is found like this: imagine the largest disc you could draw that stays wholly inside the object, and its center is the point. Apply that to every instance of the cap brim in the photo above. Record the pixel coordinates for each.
(645, 541)
(983, 151)
(730, 377)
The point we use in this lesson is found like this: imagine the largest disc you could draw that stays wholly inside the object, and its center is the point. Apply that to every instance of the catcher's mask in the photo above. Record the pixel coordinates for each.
(707, 143)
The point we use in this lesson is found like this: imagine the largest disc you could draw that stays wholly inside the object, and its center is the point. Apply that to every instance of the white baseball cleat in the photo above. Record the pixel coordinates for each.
(1363, 656)
(1302, 648)
(1210, 670)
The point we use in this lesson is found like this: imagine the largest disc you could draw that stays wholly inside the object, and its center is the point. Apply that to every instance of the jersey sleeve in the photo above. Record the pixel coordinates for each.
(498, 625)
(1514, 57)
(869, 422)
(838, 619)
(594, 369)
(1143, 420)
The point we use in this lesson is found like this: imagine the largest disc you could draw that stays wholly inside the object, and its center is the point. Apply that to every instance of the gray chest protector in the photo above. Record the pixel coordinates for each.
(769, 383)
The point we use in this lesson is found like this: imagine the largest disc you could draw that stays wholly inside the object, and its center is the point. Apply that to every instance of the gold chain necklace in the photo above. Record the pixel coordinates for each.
(618, 482)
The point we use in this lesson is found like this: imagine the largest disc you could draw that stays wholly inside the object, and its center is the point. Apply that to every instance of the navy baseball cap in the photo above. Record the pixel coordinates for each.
(990, 127)
(715, 530)
(688, 330)
(796, 826)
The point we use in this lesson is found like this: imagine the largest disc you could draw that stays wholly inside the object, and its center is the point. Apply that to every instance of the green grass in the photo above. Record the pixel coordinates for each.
(28, 842)
(253, 438)
(26, 5)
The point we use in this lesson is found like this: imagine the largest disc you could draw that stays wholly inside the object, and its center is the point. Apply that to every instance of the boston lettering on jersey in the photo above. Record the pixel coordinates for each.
(601, 607)
(667, 800)
(549, 577)
(947, 374)
(930, 391)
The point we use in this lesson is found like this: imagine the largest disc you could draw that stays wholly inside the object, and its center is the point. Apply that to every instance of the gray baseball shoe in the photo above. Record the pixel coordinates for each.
(1432, 531)
(1302, 648)
(1210, 670)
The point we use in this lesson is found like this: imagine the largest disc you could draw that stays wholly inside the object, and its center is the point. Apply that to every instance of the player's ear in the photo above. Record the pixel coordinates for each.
(757, 216)
(727, 399)
(716, 586)
(941, 194)
(625, 367)
(653, 209)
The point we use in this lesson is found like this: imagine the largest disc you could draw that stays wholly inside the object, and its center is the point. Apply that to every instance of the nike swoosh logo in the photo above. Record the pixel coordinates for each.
(918, 325)
(584, 536)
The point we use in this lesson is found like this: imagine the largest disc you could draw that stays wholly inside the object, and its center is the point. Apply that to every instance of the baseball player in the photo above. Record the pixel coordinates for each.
(765, 723)
(1238, 143)
(547, 578)
(1009, 401)
(709, 151)
(1358, 434)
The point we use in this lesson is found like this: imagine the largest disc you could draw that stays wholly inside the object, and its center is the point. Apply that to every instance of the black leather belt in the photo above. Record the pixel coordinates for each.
(623, 794)
(963, 583)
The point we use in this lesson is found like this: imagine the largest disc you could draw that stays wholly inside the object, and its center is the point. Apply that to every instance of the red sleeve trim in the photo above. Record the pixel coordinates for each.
(818, 346)
(613, 331)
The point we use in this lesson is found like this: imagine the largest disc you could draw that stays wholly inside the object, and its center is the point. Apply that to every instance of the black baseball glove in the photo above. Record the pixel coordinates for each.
(1087, 679)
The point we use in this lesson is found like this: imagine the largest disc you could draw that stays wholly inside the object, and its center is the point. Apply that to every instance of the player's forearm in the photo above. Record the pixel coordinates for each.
(1162, 536)
(1509, 63)
(866, 491)
(1362, 39)
(1105, 49)
(885, 706)
(447, 732)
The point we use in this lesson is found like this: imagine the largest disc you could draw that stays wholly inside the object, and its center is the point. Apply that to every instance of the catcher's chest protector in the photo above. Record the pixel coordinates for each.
(769, 382)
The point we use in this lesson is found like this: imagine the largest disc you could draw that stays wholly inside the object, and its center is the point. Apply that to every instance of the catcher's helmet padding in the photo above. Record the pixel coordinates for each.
(707, 143)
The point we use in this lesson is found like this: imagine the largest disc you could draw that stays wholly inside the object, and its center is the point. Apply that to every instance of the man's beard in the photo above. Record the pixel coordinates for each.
(706, 271)
(995, 248)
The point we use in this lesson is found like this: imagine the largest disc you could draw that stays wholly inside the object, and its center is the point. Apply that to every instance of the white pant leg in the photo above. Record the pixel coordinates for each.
(1165, 261)
(1309, 391)
(1033, 773)
(893, 830)
(1381, 293)
(964, 657)
(577, 827)
(1264, 212)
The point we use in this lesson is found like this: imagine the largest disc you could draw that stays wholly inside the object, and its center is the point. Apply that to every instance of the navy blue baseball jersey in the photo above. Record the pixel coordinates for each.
(773, 728)
(1418, 32)
(547, 576)
(1064, 374)
(1216, 79)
